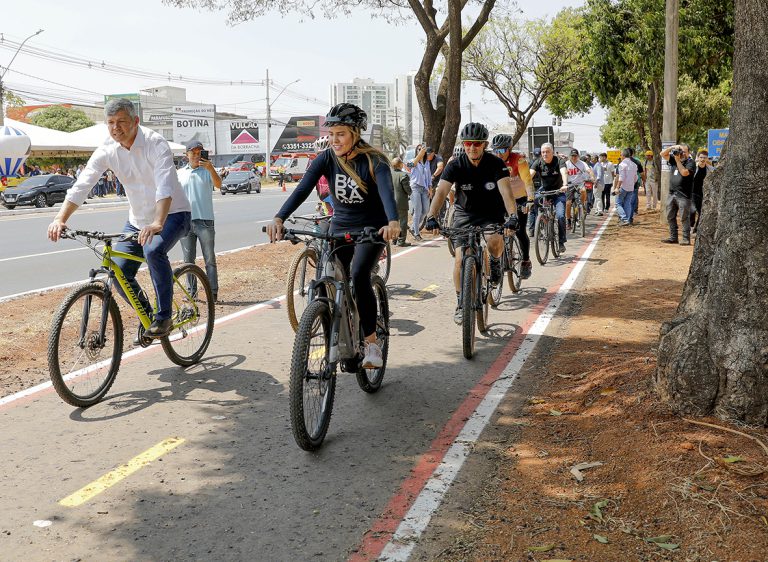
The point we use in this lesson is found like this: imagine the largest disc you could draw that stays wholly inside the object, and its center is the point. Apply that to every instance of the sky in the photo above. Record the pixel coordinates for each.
(151, 36)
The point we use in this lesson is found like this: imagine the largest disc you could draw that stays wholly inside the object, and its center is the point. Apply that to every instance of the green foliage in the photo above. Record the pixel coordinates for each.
(62, 119)
(394, 141)
(625, 124)
(10, 99)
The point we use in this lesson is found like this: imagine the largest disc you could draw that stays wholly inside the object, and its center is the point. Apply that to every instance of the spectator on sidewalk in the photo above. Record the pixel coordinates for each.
(436, 166)
(609, 171)
(597, 188)
(421, 182)
(640, 181)
(625, 187)
(199, 178)
(651, 185)
(680, 190)
(703, 167)
(402, 184)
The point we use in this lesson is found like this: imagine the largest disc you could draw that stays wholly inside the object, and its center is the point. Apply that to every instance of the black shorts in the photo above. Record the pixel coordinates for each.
(461, 219)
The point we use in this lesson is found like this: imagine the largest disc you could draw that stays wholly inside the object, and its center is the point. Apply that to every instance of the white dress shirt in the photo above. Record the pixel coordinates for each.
(146, 172)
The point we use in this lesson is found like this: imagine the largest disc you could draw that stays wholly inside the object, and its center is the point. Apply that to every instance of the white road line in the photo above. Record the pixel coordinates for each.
(426, 504)
(43, 254)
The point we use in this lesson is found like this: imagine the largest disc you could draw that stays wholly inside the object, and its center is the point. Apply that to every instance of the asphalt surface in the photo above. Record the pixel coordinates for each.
(25, 250)
(237, 487)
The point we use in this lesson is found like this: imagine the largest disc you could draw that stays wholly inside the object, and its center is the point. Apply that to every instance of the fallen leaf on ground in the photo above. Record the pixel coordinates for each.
(608, 391)
(555, 413)
(731, 458)
(662, 541)
(543, 548)
(600, 538)
(536, 401)
(558, 560)
(565, 376)
(577, 468)
(596, 512)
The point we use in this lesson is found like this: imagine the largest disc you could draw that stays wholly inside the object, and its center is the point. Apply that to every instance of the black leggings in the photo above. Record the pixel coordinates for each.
(522, 230)
(607, 197)
(363, 258)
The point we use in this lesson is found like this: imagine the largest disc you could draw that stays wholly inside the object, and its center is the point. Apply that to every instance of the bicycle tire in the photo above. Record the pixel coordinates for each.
(495, 291)
(303, 263)
(193, 316)
(448, 222)
(554, 234)
(515, 262)
(485, 289)
(468, 308)
(541, 238)
(574, 217)
(315, 324)
(384, 264)
(370, 379)
(583, 220)
(83, 389)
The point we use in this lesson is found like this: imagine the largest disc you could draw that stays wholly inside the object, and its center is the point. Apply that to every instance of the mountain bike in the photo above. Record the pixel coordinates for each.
(476, 289)
(329, 336)
(546, 230)
(85, 345)
(578, 211)
(512, 265)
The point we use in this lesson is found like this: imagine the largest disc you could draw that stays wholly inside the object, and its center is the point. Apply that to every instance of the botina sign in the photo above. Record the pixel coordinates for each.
(194, 122)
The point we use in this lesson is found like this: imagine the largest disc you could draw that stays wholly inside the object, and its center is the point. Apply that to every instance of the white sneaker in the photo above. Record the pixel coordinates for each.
(458, 316)
(372, 359)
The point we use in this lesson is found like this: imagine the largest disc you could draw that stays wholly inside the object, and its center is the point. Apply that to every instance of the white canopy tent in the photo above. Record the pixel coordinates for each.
(49, 142)
(97, 134)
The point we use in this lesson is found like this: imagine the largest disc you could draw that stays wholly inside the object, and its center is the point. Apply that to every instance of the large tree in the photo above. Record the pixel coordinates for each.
(442, 26)
(526, 63)
(62, 118)
(713, 356)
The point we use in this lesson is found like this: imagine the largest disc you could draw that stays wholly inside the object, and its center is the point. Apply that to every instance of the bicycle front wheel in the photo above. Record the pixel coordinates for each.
(370, 379)
(514, 264)
(541, 238)
(554, 237)
(300, 274)
(312, 380)
(468, 298)
(193, 316)
(85, 345)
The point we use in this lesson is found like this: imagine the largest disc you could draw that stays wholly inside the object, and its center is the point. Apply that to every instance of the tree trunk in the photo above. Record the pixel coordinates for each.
(452, 116)
(713, 356)
(655, 106)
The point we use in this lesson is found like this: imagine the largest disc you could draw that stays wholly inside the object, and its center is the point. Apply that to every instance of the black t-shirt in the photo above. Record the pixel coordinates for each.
(678, 183)
(433, 167)
(639, 180)
(698, 181)
(353, 209)
(477, 190)
(551, 178)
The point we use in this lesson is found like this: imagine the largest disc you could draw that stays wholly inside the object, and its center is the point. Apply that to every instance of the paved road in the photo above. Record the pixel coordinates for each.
(233, 485)
(29, 261)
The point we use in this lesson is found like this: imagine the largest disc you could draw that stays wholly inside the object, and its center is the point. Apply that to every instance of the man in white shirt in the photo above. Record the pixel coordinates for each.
(626, 187)
(159, 211)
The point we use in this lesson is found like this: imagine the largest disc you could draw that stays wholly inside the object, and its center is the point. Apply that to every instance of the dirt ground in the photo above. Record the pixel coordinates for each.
(700, 494)
(667, 489)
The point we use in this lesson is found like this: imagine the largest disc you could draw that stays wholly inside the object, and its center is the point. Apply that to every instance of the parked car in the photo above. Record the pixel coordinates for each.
(235, 182)
(40, 191)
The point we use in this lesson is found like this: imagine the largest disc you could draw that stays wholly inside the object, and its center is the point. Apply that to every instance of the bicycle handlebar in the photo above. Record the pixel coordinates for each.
(458, 231)
(542, 194)
(368, 234)
(123, 236)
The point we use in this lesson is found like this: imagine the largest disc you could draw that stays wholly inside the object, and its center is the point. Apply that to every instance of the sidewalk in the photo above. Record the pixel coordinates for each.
(587, 397)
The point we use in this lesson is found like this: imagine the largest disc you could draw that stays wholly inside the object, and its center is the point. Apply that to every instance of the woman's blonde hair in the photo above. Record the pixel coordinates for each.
(370, 153)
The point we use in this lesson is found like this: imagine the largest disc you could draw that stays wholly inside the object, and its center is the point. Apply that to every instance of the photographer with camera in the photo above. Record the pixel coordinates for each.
(680, 190)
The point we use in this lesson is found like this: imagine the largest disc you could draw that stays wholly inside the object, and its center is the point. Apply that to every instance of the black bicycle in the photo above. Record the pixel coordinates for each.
(511, 265)
(578, 211)
(329, 336)
(546, 231)
(476, 289)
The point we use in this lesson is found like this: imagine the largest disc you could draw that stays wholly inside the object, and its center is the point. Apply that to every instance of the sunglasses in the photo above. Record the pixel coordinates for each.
(470, 143)
(499, 150)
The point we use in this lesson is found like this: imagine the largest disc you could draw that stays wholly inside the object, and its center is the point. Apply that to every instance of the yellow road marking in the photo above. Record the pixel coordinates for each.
(428, 289)
(113, 477)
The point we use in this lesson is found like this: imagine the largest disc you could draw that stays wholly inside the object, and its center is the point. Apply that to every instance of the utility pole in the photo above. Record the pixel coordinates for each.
(669, 126)
(269, 124)
(2, 109)
(470, 112)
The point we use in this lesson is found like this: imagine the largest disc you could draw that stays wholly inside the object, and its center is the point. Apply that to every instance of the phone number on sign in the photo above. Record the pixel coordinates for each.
(298, 146)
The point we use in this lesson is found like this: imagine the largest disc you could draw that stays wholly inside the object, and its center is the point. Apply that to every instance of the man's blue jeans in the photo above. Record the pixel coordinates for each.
(559, 203)
(624, 203)
(156, 253)
(204, 231)
(420, 202)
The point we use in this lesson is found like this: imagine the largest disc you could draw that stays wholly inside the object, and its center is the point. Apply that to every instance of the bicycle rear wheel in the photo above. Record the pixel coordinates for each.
(301, 273)
(583, 220)
(485, 291)
(193, 316)
(384, 264)
(554, 237)
(448, 222)
(468, 297)
(541, 238)
(312, 379)
(83, 364)
(514, 256)
(370, 379)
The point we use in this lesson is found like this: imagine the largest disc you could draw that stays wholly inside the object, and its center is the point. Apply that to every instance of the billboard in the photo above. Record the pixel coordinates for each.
(300, 134)
(195, 122)
(243, 137)
(715, 140)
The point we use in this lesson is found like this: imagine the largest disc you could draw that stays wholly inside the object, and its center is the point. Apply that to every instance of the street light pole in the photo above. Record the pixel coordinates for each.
(2, 108)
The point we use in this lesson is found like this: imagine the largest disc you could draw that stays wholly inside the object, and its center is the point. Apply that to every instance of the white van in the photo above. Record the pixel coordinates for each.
(295, 166)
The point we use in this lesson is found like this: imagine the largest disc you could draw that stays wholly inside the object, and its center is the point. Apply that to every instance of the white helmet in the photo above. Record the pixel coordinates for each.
(322, 143)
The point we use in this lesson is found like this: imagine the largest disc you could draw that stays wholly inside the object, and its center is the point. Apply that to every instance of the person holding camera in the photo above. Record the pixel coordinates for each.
(199, 178)
(680, 190)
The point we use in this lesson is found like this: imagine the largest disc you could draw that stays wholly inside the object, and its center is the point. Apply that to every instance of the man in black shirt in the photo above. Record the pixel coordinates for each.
(680, 189)
(483, 197)
(554, 177)
(703, 167)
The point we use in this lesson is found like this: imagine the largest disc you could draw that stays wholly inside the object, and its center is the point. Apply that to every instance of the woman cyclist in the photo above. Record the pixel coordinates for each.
(363, 196)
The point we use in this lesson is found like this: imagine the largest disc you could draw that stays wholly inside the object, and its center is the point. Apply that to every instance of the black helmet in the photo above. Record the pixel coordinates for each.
(347, 114)
(501, 141)
(474, 131)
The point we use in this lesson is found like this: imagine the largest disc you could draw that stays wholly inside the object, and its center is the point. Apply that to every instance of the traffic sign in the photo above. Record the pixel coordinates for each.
(715, 140)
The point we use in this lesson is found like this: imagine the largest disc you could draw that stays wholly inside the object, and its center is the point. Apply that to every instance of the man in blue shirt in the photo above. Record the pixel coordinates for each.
(199, 179)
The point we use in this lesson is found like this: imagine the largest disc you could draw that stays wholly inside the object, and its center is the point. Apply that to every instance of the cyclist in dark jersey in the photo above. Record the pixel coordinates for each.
(554, 177)
(360, 179)
(483, 197)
